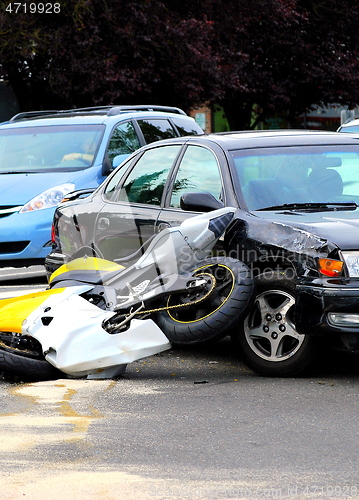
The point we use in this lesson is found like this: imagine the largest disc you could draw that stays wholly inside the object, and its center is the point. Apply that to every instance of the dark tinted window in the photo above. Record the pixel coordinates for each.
(156, 130)
(187, 126)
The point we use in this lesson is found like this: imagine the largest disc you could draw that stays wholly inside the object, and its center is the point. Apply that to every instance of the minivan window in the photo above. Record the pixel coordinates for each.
(156, 129)
(186, 126)
(49, 148)
(124, 140)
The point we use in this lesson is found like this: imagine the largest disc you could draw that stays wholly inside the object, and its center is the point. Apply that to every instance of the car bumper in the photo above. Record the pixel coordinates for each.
(53, 261)
(25, 237)
(328, 305)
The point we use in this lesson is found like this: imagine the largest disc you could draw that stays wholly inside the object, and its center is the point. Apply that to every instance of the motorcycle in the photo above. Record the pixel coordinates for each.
(97, 316)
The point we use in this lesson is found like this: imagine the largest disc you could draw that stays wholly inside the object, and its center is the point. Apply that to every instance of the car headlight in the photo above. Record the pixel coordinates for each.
(352, 263)
(49, 198)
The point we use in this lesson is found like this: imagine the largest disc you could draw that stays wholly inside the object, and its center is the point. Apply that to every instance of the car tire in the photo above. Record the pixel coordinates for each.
(214, 317)
(267, 338)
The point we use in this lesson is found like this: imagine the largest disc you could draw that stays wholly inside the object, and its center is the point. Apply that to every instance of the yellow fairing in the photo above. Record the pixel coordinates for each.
(85, 264)
(14, 311)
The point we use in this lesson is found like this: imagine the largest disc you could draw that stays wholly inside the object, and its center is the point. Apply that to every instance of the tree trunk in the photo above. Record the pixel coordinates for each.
(238, 114)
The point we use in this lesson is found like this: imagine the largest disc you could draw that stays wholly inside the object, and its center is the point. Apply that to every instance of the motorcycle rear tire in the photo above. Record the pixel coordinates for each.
(215, 317)
(26, 367)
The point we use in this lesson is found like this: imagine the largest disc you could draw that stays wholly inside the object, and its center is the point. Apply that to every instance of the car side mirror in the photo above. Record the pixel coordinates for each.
(200, 202)
(106, 166)
(119, 159)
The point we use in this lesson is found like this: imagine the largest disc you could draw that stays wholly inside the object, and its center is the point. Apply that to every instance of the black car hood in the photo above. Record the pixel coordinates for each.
(308, 231)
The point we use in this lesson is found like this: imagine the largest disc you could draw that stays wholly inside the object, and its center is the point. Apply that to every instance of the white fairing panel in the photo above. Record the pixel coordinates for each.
(75, 342)
(69, 328)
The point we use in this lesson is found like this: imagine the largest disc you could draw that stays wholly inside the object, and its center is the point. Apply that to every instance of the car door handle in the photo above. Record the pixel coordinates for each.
(103, 223)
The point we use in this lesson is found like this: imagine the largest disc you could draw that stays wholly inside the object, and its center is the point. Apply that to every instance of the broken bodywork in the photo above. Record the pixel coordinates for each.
(98, 316)
(296, 227)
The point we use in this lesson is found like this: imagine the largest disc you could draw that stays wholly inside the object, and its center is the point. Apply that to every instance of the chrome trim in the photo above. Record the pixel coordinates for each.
(10, 210)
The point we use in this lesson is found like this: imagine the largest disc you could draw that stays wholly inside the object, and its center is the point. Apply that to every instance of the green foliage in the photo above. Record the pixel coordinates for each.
(256, 59)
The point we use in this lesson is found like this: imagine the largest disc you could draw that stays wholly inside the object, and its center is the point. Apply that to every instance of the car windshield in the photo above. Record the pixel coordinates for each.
(50, 148)
(276, 177)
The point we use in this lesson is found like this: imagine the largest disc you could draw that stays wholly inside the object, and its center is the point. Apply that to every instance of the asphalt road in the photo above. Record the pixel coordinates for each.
(15, 281)
(25, 273)
(190, 423)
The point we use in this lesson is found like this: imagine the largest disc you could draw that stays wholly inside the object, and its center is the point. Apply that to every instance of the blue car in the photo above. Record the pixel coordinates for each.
(44, 155)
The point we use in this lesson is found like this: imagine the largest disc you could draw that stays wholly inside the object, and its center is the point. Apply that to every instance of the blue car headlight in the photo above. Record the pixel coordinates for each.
(49, 198)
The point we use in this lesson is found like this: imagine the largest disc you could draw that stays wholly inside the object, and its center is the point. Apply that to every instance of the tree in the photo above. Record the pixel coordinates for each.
(283, 57)
(101, 52)
(256, 59)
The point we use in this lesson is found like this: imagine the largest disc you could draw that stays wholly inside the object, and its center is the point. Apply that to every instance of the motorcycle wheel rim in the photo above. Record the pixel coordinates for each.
(222, 291)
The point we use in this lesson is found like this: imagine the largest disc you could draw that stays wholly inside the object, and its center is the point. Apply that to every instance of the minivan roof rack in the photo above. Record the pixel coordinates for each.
(108, 110)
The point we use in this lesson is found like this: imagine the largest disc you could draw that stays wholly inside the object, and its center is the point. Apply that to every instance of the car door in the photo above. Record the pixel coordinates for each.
(198, 171)
(133, 203)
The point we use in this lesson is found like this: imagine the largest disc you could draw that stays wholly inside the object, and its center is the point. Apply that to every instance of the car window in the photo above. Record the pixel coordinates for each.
(114, 181)
(156, 129)
(49, 148)
(123, 141)
(146, 181)
(348, 169)
(198, 172)
(186, 126)
(353, 129)
(270, 177)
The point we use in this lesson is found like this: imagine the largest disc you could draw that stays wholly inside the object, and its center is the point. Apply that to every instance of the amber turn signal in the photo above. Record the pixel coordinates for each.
(330, 267)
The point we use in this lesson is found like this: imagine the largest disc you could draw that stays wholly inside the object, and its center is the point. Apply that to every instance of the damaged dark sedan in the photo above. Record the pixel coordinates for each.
(296, 227)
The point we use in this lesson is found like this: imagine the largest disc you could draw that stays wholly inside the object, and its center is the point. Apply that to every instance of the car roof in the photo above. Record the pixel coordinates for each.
(283, 138)
(273, 138)
(92, 115)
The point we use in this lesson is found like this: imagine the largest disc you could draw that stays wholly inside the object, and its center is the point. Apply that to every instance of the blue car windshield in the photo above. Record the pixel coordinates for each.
(48, 148)
(275, 177)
